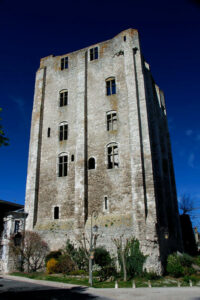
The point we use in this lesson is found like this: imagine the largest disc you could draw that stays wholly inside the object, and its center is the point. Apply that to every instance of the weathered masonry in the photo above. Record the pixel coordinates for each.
(100, 142)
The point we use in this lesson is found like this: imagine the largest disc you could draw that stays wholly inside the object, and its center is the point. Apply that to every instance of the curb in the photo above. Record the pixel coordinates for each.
(43, 282)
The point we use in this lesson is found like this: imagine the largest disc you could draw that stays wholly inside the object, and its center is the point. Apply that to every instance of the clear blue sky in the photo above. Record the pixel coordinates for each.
(170, 39)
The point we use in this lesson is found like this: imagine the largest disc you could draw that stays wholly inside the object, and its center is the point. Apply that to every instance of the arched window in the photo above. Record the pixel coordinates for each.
(56, 212)
(111, 120)
(112, 156)
(63, 131)
(62, 164)
(110, 86)
(63, 98)
(91, 163)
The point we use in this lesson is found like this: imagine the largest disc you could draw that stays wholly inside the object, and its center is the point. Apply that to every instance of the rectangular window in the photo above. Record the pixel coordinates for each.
(113, 157)
(16, 229)
(63, 135)
(63, 98)
(94, 53)
(56, 213)
(112, 121)
(64, 63)
(62, 168)
(110, 87)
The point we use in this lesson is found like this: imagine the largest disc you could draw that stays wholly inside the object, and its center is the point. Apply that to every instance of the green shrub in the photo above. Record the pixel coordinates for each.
(102, 257)
(197, 261)
(77, 255)
(186, 260)
(106, 272)
(78, 272)
(65, 264)
(174, 267)
(134, 258)
(53, 254)
(188, 271)
(187, 278)
(180, 265)
(151, 275)
(95, 273)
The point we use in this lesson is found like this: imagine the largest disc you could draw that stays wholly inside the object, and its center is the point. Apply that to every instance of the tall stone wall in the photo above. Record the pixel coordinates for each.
(134, 199)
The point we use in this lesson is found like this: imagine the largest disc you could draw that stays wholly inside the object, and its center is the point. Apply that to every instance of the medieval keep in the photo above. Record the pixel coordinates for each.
(100, 142)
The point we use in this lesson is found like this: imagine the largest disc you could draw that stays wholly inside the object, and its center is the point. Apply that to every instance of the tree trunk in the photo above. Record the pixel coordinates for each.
(124, 265)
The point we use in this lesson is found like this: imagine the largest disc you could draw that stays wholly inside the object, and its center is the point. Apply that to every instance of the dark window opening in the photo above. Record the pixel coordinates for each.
(63, 132)
(56, 213)
(94, 53)
(110, 87)
(124, 38)
(72, 157)
(62, 165)
(48, 132)
(113, 157)
(63, 98)
(16, 229)
(18, 239)
(64, 63)
(106, 202)
(112, 121)
(91, 163)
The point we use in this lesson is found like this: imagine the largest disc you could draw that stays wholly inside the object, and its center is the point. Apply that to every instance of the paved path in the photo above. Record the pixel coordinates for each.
(23, 288)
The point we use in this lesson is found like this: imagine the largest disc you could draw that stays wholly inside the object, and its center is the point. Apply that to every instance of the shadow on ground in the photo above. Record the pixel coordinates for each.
(49, 293)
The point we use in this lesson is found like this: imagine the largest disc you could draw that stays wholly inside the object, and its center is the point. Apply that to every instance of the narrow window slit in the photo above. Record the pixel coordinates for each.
(49, 132)
(106, 202)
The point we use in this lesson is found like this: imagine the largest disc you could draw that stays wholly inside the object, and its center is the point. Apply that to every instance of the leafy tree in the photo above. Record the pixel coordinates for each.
(80, 256)
(3, 140)
(130, 257)
(134, 258)
(30, 249)
(102, 257)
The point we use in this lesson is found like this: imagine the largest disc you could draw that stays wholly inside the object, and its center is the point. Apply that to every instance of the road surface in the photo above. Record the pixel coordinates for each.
(23, 288)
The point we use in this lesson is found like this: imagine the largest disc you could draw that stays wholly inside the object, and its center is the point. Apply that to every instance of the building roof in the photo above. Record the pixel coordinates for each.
(11, 205)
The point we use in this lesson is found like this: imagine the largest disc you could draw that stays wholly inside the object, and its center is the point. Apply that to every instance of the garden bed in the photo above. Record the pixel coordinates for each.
(139, 282)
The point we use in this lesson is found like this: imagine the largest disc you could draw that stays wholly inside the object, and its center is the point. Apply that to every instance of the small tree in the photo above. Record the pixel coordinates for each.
(78, 255)
(31, 250)
(121, 249)
(186, 204)
(130, 256)
(134, 258)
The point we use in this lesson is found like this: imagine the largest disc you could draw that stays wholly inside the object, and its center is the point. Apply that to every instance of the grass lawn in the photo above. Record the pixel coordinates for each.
(140, 282)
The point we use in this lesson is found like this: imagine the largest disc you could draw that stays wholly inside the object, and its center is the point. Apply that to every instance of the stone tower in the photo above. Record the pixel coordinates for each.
(100, 142)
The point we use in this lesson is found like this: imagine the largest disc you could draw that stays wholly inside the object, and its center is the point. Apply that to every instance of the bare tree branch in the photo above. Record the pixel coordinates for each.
(186, 204)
